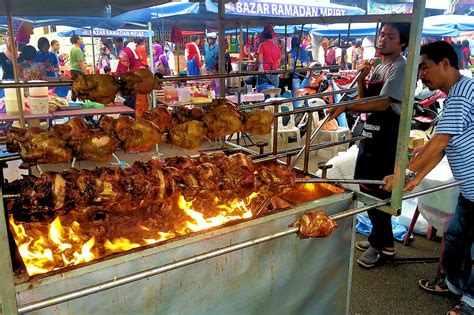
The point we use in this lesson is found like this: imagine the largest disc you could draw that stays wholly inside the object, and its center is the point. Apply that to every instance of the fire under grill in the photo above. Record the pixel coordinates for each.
(72, 240)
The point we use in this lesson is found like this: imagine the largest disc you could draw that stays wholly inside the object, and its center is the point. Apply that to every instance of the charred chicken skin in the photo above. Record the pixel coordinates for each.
(141, 81)
(160, 116)
(117, 189)
(314, 224)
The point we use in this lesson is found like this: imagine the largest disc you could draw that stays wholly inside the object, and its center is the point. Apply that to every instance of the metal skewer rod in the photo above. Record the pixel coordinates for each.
(340, 181)
(62, 298)
(11, 196)
(245, 73)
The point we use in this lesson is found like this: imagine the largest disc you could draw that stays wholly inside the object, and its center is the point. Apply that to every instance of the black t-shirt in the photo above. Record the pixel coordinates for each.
(7, 67)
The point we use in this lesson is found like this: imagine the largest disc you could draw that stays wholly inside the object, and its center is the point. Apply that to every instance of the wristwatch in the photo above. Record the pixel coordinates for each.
(409, 174)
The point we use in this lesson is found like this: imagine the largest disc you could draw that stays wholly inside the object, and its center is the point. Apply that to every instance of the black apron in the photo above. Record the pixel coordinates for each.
(376, 158)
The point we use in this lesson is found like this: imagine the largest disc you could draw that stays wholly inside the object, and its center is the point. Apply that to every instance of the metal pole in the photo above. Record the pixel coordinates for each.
(93, 50)
(240, 63)
(407, 104)
(286, 45)
(8, 304)
(152, 66)
(14, 52)
(307, 146)
(339, 181)
(221, 25)
(275, 130)
(202, 257)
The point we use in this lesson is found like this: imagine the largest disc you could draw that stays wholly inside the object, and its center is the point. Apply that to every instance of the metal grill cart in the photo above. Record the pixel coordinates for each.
(247, 266)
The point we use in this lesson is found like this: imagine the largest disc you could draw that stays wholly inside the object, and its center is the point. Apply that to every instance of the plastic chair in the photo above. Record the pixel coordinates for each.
(284, 130)
(271, 93)
(340, 134)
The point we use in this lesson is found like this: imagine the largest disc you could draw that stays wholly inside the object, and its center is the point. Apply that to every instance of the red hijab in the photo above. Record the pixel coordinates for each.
(127, 61)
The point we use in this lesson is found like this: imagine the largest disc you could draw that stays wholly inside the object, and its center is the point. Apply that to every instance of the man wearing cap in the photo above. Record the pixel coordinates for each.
(211, 52)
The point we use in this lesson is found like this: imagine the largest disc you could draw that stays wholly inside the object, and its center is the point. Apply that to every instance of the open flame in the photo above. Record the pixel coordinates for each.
(44, 248)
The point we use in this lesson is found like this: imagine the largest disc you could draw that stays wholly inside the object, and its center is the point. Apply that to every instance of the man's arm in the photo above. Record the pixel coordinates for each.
(82, 65)
(429, 156)
(363, 106)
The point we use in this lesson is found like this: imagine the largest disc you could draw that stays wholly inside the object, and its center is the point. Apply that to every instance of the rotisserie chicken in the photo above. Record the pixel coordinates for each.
(141, 81)
(151, 183)
(188, 135)
(222, 120)
(98, 147)
(137, 136)
(99, 88)
(37, 147)
(258, 122)
(314, 224)
(160, 116)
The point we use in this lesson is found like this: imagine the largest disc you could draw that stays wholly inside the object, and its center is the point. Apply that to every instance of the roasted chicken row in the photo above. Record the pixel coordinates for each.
(117, 189)
(186, 128)
(102, 88)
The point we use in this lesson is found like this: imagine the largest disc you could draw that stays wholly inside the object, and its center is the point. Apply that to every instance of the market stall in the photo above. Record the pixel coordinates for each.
(212, 227)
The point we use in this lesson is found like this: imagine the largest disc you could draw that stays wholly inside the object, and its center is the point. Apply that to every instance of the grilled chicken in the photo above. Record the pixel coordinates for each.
(314, 224)
(99, 88)
(188, 135)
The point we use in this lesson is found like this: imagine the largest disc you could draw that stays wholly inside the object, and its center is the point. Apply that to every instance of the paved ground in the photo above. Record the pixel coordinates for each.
(393, 289)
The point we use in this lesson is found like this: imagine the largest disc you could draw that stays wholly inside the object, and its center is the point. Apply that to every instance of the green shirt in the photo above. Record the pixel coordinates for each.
(75, 56)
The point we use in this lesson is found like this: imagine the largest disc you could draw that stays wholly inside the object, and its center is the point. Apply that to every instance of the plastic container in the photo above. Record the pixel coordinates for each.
(38, 105)
(235, 66)
(41, 91)
(171, 94)
(184, 94)
(11, 106)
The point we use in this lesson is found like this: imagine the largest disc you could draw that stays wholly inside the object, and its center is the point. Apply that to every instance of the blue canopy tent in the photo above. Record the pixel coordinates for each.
(458, 22)
(200, 16)
(366, 29)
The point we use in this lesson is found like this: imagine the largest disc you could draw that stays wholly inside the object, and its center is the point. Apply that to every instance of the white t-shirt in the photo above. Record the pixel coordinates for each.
(369, 49)
(349, 54)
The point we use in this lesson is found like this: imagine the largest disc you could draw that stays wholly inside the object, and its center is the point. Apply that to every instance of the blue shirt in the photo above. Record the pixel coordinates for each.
(211, 56)
(50, 60)
(457, 120)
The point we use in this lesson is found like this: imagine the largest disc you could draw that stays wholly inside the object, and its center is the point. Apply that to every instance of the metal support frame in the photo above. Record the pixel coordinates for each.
(93, 50)
(407, 105)
(152, 65)
(221, 35)
(202, 257)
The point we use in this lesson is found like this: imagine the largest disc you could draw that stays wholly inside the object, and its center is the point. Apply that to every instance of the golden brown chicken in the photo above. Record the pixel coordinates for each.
(184, 114)
(141, 81)
(98, 147)
(188, 135)
(258, 122)
(314, 224)
(74, 130)
(160, 116)
(222, 120)
(99, 88)
(36, 146)
(137, 136)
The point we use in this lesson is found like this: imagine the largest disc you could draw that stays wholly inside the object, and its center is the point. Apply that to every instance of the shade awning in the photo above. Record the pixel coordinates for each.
(100, 32)
(453, 21)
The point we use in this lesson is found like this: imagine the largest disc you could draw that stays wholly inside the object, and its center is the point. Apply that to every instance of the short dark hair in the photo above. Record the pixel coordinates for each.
(139, 41)
(404, 31)
(437, 51)
(42, 42)
(119, 40)
(74, 38)
(266, 35)
(54, 42)
(194, 38)
(28, 53)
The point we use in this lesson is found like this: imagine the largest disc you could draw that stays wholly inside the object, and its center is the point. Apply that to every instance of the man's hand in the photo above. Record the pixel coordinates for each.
(365, 68)
(388, 183)
(409, 184)
(335, 111)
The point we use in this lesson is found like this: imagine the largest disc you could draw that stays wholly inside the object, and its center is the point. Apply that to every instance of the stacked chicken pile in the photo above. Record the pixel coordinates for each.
(145, 184)
(187, 129)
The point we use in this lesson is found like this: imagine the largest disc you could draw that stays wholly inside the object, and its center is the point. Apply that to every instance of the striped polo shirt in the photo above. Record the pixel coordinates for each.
(458, 120)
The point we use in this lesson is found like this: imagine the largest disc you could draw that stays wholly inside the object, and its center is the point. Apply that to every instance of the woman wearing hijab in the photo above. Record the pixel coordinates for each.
(6, 62)
(128, 62)
(160, 62)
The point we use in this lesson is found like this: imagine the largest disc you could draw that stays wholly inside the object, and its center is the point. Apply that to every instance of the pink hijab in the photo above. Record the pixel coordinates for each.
(127, 61)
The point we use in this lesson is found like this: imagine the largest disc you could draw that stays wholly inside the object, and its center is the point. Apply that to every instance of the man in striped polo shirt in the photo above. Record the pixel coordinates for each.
(454, 136)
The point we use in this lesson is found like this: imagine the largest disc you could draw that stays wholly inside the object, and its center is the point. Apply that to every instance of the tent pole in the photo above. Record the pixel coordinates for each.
(14, 51)
(286, 45)
(221, 12)
(410, 79)
(8, 303)
(152, 66)
(93, 50)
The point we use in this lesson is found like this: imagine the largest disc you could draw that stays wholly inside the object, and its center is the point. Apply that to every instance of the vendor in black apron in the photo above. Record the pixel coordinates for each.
(377, 151)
